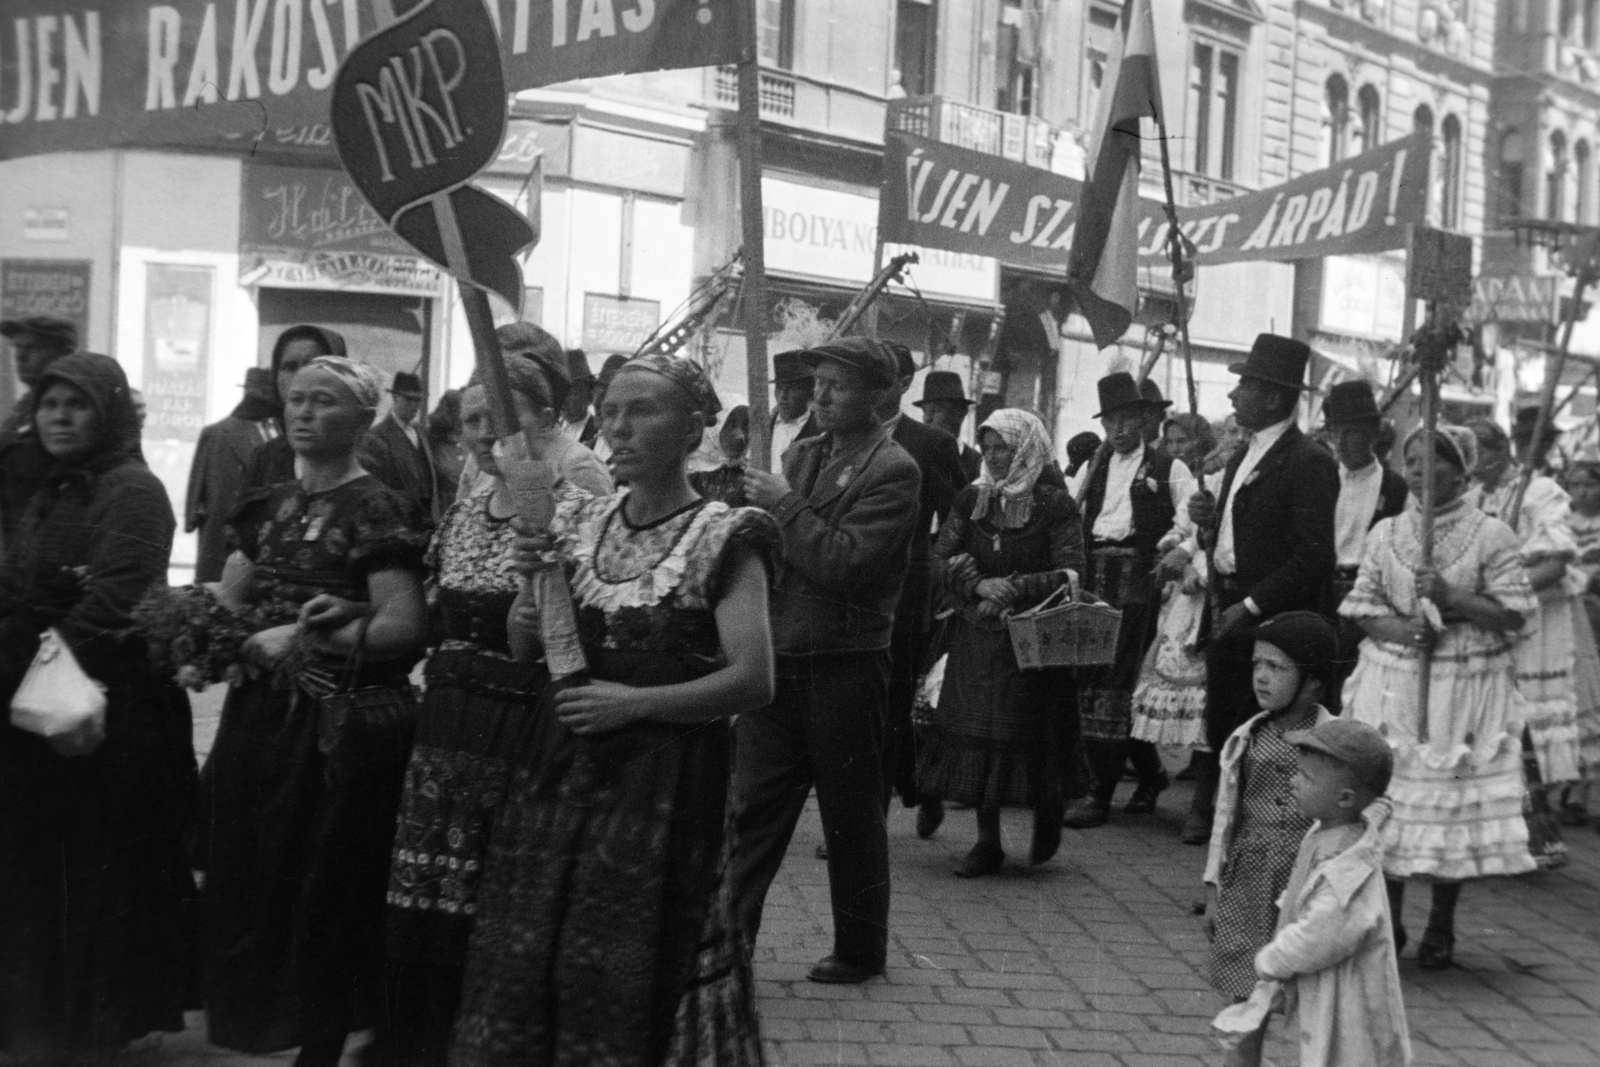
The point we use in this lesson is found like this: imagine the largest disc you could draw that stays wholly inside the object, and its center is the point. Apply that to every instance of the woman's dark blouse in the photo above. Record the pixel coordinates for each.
(1033, 555)
(303, 544)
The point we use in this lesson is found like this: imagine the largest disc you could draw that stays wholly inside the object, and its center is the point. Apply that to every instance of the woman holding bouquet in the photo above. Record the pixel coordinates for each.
(605, 932)
(475, 716)
(301, 804)
(94, 879)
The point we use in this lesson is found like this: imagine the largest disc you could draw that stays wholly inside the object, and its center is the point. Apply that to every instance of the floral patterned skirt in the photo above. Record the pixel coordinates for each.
(605, 932)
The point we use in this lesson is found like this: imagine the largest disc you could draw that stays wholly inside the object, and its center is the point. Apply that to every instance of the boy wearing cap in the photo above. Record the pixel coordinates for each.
(1333, 956)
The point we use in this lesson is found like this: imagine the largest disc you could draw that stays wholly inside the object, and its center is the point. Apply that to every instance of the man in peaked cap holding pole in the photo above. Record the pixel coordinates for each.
(1270, 534)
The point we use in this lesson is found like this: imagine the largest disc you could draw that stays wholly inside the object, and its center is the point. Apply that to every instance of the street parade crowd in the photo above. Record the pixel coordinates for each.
(510, 865)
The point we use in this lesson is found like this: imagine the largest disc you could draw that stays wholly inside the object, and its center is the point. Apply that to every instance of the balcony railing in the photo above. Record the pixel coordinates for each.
(1016, 137)
(777, 91)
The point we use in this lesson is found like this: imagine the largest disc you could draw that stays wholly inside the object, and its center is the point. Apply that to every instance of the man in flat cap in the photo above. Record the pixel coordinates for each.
(36, 342)
(1270, 534)
(846, 504)
(791, 414)
(397, 452)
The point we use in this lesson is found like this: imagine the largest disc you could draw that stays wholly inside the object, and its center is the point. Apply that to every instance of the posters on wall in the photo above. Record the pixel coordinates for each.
(941, 196)
(177, 350)
(55, 287)
(618, 323)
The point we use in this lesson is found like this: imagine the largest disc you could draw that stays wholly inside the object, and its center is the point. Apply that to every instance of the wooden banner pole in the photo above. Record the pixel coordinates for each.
(753, 295)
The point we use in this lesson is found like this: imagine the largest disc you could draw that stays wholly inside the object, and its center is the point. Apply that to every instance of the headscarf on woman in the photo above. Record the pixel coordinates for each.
(102, 380)
(360, 380)
(708, 455)
(1458, 441)
(1030, 447)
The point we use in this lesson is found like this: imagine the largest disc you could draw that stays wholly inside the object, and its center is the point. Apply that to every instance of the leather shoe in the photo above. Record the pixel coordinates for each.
(1143, 801)
(1437, 950)
(831, 970)
(1086, 813)
(930, 816)
(984, 859)
(1196, 829)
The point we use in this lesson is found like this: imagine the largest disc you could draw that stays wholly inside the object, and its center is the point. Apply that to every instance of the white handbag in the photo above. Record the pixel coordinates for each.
(58, 701)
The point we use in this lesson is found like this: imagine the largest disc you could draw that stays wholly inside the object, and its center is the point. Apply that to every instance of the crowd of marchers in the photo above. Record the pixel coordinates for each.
(488, 863)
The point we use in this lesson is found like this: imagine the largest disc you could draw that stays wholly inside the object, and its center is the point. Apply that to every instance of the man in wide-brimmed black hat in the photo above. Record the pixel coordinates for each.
(1368, 492)
(1270, 534)
(791, 414)
(397, 452)
(1130, 503)
(944, 406)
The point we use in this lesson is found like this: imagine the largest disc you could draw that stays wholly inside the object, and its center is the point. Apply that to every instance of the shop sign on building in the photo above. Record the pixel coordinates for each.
(625, 161)
(177, 350)
(55, 287)
(1516, 298)
(831, 235)
(618, 323)
(309, 228)
(1363, 296)
(527, 140)
(46, 223)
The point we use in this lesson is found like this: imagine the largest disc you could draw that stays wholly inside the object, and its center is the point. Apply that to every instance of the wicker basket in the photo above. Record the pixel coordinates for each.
(1077, 633)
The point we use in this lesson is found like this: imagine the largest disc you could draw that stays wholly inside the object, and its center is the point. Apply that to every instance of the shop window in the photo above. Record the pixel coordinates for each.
(1370, 135)
(1511, 168)
(1555, 179)
(915, 33)
(1451, 163)
(1017, 58)
(775, 32)
(1213, 118)
(1335, 120)
(1583, 174)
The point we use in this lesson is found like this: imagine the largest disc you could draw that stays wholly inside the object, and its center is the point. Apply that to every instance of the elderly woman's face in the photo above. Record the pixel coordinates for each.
(67, 422)
(321, 416)
(997, 454)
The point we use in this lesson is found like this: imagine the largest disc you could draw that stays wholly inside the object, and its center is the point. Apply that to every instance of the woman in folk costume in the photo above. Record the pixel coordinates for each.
(1545, 656)
(1010, 542)
(1170, 700)
(1457, 786)
(1583, 483)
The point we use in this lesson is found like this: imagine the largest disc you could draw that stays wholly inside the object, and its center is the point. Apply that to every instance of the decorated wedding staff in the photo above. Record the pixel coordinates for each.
(1131, 502)
(1270, 533)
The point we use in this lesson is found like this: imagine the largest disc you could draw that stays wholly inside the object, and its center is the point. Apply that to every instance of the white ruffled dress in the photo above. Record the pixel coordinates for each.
(1458, 795)
(1546, 656)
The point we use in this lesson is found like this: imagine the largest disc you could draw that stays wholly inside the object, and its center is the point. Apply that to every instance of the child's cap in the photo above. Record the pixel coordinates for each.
(1308, 639)
(1354, 744)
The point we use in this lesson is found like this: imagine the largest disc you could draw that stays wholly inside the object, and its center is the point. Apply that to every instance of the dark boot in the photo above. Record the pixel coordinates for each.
(1105, 759)
(1152, 777)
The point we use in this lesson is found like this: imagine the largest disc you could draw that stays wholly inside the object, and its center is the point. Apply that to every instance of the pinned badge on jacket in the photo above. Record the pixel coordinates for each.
(845, 476)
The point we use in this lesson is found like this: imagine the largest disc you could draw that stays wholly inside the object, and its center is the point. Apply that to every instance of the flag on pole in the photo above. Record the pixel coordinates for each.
(1102, 269)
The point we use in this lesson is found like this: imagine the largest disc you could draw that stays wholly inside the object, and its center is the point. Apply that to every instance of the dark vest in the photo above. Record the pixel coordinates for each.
(1153, 513)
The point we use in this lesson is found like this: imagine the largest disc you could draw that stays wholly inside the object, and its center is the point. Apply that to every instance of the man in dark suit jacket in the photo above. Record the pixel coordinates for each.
(1368, 493)
(791, 419)
(217, 476)
(944, 406)
(397, 453)
(938, 458)
(1270, 534)
(846, 504)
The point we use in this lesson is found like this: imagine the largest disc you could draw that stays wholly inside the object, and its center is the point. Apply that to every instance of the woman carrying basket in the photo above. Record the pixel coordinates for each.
(1009, 543)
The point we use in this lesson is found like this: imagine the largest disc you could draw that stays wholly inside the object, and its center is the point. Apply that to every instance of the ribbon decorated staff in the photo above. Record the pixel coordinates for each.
(419, 108)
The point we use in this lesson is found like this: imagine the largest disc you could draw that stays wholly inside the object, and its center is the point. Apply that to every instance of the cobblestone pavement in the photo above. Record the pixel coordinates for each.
(1097, 959)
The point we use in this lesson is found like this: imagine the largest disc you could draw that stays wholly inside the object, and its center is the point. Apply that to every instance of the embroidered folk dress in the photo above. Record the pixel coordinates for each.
(298, 840)
(1586, 620)
(1545, 654)
(1169, 702)
(1458, 795)
(605, 932)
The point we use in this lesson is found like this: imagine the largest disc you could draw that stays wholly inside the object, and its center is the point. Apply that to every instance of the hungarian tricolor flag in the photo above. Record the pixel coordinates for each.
(1102, 268)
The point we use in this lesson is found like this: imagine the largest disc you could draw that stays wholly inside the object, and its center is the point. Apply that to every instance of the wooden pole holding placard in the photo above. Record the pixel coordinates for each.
(753, 290)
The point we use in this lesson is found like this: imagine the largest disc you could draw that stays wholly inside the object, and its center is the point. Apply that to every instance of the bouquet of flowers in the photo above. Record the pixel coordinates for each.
(192, 638)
